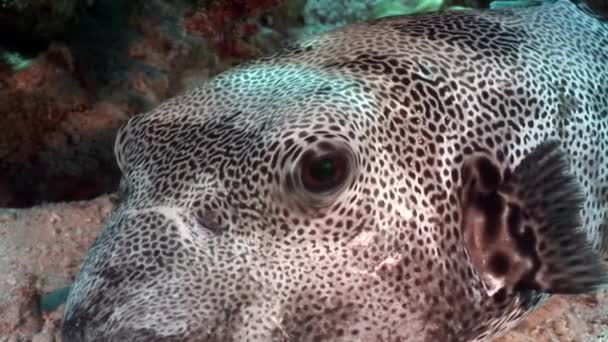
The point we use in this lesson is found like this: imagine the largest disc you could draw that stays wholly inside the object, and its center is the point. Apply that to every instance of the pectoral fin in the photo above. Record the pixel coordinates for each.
(523, 230)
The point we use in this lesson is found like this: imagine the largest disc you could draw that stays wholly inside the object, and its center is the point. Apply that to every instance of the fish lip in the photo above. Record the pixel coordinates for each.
(103, 333)
(126, 334)
(81, 326)
(87, 321)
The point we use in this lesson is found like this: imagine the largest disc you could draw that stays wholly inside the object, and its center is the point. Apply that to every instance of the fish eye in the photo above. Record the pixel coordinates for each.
(324, 171)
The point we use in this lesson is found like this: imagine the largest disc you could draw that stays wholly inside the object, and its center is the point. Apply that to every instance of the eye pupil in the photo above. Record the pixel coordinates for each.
(324, 173)
(323, 170)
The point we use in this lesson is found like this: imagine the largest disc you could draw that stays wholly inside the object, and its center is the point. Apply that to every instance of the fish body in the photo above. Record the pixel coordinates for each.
(421, 178)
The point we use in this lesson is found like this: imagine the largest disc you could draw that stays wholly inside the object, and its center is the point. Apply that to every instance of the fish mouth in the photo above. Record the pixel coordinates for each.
(221, 287)
(159, 294)
(80, 326)
(72, 333)
(86, 325)
(133, 316)
(69, 334)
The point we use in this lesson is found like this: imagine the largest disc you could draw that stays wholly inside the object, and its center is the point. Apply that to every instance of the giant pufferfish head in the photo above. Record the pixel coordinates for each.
(281, 202)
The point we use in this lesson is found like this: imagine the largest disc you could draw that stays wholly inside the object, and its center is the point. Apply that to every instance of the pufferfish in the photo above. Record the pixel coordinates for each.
(422, 178)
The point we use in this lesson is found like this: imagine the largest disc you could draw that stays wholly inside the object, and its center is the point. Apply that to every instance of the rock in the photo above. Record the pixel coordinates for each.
(38, 19)
(62, 108)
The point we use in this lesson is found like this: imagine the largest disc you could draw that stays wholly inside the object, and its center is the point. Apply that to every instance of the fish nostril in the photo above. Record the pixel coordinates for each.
(73, 330)
(210, 220)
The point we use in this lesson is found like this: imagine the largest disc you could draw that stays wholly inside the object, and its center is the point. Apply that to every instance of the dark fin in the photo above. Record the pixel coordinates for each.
(500, 4)
(564, 258)
(527, 234)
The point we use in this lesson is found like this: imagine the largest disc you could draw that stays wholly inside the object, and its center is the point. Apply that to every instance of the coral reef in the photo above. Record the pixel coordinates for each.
(391, 7)
(51, 151)
(119, 58)
(324, 15)
(63, 106)
(34, 22)
(244, 29)
(223, 24)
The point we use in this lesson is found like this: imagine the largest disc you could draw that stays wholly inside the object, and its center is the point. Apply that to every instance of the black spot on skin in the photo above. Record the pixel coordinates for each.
(514, 218)
(500, 296)
(489, 174)
(526, 241)
(483, 195)
(491, 206)
(527, 283)
(499, 264)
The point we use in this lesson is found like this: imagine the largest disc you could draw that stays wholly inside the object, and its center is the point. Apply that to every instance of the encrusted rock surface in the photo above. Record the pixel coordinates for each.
(63, 102)
(61, 108)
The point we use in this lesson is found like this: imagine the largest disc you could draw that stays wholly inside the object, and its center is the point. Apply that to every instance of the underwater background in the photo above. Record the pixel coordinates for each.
(73, 71)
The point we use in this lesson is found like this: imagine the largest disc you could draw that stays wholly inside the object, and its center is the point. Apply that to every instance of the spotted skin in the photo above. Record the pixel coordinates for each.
(213, 238)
